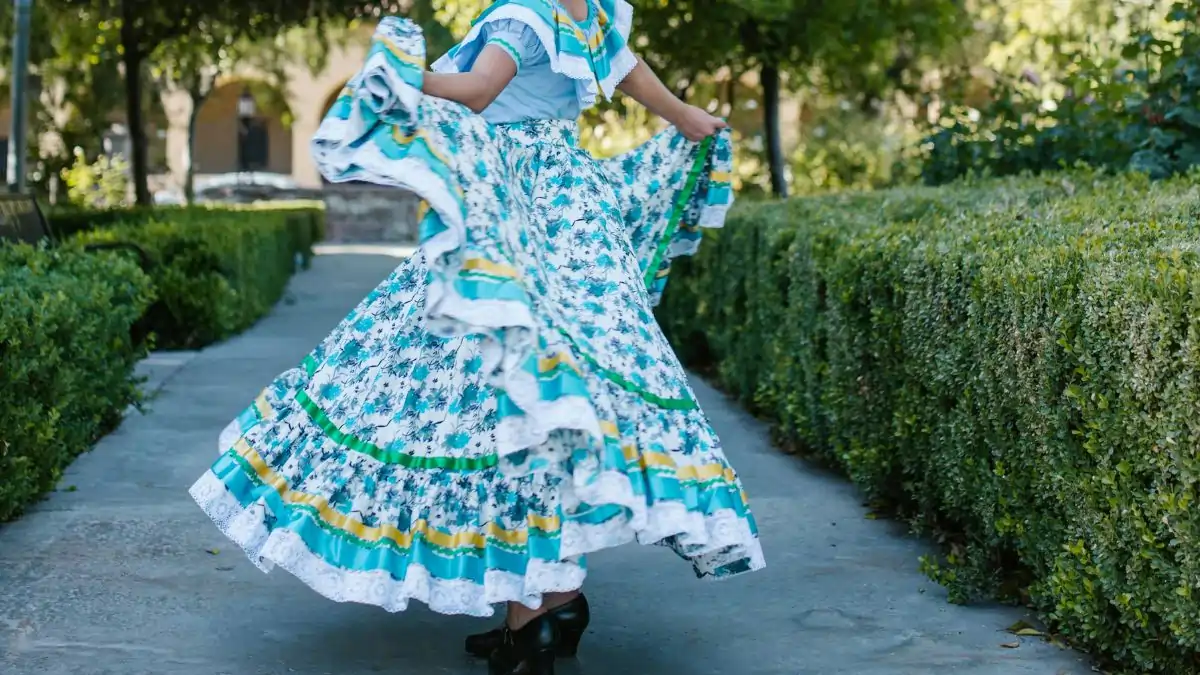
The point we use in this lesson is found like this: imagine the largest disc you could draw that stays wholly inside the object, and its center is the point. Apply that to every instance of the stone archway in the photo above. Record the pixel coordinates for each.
(223, 146)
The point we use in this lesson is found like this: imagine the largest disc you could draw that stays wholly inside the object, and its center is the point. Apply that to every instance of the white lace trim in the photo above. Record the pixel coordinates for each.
(284, 548)
(709, 543)
(624, 61)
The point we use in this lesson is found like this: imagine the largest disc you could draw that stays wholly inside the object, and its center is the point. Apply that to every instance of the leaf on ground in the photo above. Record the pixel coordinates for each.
(1010, 645)
(872, 516)
(1019, 626)
(224, 569)
(1031, 632)
(212, 551)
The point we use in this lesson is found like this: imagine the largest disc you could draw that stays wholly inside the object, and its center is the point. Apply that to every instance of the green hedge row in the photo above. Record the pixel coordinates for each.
(72, 322)
(66, 360)
(1014, 366)
(215, 271)
(68, 221)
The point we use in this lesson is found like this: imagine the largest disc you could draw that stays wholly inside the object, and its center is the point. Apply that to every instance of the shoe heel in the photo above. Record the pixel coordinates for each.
(568, 641)
(541, 663)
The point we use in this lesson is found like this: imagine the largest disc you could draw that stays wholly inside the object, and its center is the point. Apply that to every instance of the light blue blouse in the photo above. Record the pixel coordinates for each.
(537, 92)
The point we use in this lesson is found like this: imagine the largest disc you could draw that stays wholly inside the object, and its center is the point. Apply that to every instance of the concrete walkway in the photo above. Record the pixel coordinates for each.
(119, 573)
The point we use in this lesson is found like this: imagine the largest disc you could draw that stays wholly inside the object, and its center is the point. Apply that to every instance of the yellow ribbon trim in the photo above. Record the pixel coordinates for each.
(662, 460)
(263, 407)
(401, 54)
(477, 540)
(404, 139)
(493, 268)
(549, 363)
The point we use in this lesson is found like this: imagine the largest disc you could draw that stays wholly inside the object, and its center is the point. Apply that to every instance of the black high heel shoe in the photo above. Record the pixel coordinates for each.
(527, 651)
(572, 617)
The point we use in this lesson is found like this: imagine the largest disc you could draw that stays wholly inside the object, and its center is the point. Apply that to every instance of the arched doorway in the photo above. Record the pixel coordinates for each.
(231, 140)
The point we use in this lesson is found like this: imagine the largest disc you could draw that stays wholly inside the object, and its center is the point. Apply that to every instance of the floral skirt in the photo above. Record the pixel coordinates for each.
(504, 403)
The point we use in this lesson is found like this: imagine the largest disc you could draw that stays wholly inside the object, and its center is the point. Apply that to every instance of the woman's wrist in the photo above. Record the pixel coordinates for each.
(675, 111)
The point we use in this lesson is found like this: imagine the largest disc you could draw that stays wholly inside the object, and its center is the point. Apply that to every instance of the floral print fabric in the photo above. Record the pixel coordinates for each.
(504, 403)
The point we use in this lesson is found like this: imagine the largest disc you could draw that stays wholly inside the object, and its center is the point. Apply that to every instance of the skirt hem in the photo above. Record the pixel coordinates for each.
(268, 548)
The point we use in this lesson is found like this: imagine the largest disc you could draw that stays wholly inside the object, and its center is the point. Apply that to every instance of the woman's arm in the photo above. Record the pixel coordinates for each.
(489, 75)
(645, 88)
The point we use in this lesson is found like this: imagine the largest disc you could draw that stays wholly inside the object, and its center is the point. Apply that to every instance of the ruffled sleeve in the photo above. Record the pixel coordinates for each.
(615, 23)
(595, 54)
(515, 37)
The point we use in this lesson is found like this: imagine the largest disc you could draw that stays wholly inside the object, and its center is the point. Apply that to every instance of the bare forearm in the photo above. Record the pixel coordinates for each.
(476, 89)
(645, 88)
(469, 89)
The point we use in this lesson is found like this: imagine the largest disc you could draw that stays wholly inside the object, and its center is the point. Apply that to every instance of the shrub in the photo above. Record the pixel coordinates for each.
(1011, 365)
(1138, 110)
(101, 184)
(66, 361)
(216, 271)
(67, 221)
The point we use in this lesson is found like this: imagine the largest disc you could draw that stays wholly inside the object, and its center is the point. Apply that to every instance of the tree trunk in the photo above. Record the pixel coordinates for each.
(775, 160)
(731, 93)
(189, 153)
(132, 58)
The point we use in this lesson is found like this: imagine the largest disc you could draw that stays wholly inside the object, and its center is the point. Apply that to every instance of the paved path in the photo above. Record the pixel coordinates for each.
(114, 578)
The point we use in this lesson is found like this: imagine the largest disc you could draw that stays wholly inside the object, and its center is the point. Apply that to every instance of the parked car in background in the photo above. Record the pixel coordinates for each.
(241, 188)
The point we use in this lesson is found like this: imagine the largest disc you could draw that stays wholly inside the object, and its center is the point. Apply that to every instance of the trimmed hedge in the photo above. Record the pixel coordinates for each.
(68, 221)
(1012, 365)
(216, 271)
(66, 361)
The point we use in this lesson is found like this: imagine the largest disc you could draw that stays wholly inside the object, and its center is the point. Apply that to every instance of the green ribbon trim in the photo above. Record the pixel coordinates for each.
(677, 212)
(682, 403)
(475, 464)
(318, 416)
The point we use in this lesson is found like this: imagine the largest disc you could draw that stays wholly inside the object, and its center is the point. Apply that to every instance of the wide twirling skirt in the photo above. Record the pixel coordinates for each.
(504, 403)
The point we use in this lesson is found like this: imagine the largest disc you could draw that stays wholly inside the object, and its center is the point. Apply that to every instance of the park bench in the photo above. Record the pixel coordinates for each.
(22, 220)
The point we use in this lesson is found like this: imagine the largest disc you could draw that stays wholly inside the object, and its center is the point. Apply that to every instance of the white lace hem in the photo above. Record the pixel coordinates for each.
(268, 548)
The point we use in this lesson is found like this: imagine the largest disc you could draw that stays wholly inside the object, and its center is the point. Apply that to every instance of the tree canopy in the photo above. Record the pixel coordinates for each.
(144, 26)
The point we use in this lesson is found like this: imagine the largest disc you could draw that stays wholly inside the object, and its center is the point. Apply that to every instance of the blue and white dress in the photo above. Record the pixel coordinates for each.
(504, 403)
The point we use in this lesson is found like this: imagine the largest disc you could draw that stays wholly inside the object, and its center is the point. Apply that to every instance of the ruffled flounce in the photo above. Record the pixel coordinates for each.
(375, 134)
(623, 456)
(668, 493)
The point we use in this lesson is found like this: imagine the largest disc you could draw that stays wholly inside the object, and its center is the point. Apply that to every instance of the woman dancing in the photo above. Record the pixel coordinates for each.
(504, 403)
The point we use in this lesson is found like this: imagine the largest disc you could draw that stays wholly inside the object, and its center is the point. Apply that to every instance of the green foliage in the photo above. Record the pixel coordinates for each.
(80, 73)
(66, 221)
(101, 184)
(66, 366)
(1009, 365)
(865, 49)
(1135, 109)
(215, 271)
(70, 318)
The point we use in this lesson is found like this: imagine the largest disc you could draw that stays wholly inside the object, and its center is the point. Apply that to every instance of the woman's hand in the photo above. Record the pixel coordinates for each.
(696, 124)
(645, 88)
